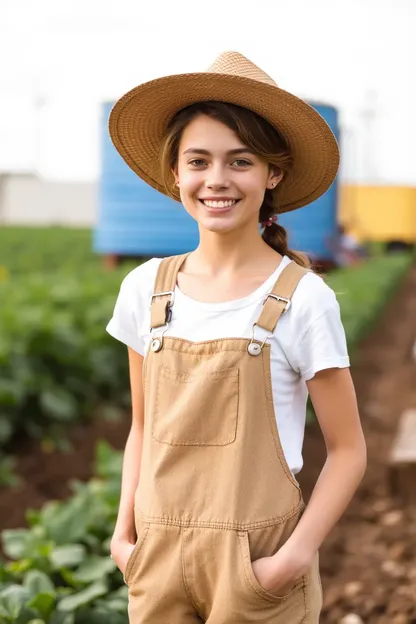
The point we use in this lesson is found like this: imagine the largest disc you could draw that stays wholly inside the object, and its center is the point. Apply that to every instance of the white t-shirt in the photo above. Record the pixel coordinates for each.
(308, 338)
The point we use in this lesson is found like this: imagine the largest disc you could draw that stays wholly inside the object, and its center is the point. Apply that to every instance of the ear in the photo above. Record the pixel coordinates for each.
(175, 175)
(274, 178)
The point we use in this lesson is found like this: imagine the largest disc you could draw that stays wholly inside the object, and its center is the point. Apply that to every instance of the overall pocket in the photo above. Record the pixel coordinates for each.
(296, 595)
(131, 561)
(196, 409)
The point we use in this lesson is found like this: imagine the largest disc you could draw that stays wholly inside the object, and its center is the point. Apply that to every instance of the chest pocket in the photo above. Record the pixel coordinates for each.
(196, 409)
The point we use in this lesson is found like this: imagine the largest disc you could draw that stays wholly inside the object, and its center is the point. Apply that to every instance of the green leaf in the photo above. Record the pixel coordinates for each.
(27, 615)
(98, 615)
(13, 599)
(68, 576)
(64, 618)
(4, 573)
(43, 603)
(10, 392)
(67, 556)
(4, 616)
(117, 604)
(19, 567)
(68, 522)
(83, 598)
(94, 568)
(33, 516)
(16, 542)
(6, 428)
(94, 543)
(37, 582)
(108, 462)
(59, 404)
(121, 592)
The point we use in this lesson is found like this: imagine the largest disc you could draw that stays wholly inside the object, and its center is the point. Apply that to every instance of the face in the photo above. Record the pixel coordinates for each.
(221, 182)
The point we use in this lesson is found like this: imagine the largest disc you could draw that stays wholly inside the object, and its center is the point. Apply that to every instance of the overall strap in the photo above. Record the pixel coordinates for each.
(163, 297)
(278, 300)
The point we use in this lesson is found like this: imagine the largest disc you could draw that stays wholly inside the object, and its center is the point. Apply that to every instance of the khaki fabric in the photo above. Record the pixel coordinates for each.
(215, 490)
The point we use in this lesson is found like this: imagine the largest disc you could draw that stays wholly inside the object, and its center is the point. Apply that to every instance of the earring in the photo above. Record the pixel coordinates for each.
(273, 184)
(177, 184)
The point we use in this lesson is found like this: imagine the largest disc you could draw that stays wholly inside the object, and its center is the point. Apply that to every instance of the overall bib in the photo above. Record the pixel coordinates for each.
(215, 490)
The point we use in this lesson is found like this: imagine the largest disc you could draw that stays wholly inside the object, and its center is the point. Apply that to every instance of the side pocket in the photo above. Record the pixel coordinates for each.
(131, 561)
(252, 581)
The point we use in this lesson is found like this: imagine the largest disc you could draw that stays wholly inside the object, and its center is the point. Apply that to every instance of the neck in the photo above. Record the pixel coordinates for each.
(233, 252)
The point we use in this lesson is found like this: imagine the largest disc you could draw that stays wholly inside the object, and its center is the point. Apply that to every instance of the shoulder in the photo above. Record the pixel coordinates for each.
(137, 286)
(142, 277)
(313, 288)
(312, 299)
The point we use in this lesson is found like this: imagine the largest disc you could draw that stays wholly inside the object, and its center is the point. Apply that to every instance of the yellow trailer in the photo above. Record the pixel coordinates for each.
(379, 213)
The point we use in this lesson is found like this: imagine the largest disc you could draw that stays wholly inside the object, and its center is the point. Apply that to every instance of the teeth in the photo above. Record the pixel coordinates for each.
(219, 204)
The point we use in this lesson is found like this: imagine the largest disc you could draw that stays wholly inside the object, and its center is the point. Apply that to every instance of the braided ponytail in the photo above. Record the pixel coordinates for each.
(275, 234)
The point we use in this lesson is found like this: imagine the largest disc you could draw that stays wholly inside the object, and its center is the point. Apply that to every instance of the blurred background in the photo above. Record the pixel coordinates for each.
(74, 219)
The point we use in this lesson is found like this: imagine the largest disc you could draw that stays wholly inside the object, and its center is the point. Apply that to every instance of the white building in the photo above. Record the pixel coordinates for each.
(26, 199)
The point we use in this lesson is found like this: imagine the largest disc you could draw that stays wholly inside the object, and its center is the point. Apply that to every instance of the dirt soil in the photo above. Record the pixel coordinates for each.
(368, 564)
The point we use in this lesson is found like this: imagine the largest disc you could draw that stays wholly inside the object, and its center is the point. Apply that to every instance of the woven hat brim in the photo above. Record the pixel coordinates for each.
(139, 119)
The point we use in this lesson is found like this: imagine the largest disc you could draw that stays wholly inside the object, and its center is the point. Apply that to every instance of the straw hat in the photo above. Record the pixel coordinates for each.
(139, 119)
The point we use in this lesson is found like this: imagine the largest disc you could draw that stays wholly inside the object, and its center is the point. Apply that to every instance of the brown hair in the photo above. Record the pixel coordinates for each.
(257, 134)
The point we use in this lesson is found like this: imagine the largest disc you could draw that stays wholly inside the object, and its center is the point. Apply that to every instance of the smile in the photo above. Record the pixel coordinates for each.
(220, 203)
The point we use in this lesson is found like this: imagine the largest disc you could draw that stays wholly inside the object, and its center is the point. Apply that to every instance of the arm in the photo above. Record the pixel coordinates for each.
(124, 536)
(333, 396)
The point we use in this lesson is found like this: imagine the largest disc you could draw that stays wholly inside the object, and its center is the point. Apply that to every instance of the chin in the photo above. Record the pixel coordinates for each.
(219, 228)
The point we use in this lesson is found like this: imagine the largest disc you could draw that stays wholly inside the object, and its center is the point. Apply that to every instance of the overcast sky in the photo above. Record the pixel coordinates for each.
(61, 58)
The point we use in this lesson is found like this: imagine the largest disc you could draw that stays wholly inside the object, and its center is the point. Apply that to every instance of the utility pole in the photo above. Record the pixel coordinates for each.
(39, 103)
(368, 115)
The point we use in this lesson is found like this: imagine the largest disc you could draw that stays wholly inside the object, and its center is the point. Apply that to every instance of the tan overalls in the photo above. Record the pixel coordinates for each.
(215, 490)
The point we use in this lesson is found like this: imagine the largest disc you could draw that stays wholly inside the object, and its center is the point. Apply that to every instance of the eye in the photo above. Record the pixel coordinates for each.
(197, 162)
(241, 162)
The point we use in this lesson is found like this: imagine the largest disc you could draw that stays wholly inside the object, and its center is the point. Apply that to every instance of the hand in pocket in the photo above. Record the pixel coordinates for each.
(279, 573)
(121, 551)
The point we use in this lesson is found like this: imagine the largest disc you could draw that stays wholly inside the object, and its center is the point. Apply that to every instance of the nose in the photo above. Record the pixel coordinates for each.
(216, 178)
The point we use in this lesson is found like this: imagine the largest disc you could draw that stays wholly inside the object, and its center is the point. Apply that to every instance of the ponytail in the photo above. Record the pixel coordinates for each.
(275, 234)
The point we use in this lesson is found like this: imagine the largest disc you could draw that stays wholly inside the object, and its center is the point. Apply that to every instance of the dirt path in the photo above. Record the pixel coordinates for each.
(369, 563)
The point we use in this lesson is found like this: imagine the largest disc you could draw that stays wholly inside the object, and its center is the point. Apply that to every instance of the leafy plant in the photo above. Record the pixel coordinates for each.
(363, 292)
(44, 249)
(56, 360)
(59, 571)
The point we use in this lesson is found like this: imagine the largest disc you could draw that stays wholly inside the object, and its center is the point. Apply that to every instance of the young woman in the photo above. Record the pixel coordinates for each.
(225, 343)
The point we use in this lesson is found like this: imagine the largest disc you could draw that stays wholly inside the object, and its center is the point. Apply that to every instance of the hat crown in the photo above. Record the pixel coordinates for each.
(234, 63)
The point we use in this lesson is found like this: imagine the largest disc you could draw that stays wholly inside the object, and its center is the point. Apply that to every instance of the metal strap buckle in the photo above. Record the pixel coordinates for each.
(161, 294)
(279, 298)
(169, 304)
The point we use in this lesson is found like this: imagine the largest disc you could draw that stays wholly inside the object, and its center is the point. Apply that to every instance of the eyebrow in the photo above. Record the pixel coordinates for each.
(233, 152)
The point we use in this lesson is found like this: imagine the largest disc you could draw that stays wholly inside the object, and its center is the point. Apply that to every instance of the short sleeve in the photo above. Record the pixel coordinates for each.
(125, 322)
(323, 345)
